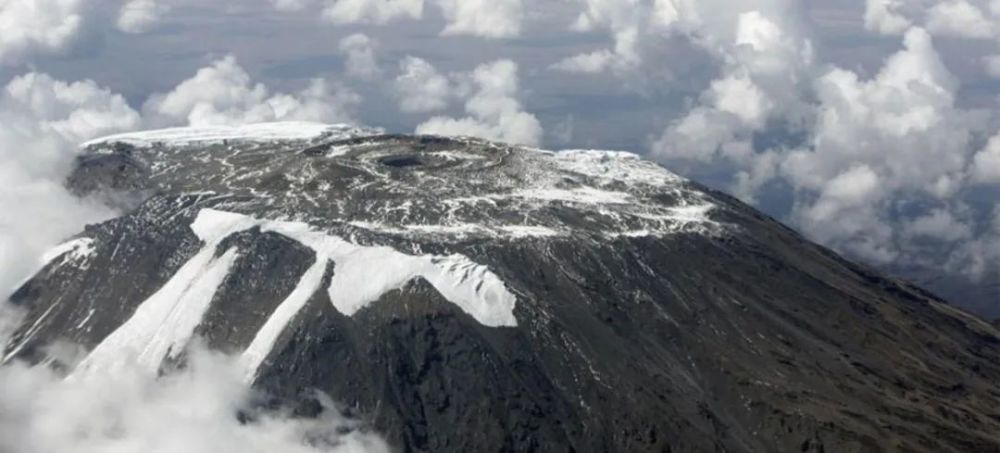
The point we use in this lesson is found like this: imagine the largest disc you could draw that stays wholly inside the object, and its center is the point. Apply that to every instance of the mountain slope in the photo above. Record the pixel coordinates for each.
(462, 295)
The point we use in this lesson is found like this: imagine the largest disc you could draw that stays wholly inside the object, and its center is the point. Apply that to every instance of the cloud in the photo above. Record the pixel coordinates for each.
(764, 77)
(224, 94)
(980, 256)
(41, 122)
(376, 12)
(968, 19)
(483, 18)
(291, 5)
(204, 407)
(492, 19)
(958, 18)
(986, 163)
(493, 109)
(588, 63)
(361, 61)
(633, 26)
(884, 16)
(420, 88)
(38, 26)
(939, 224)
(902, 127)
(883, 162)
(140, 16)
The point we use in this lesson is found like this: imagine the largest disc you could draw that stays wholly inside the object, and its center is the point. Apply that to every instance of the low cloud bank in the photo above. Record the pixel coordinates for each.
(203, 407)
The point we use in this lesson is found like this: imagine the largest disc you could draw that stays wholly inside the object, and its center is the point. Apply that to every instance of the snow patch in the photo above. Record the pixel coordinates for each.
(260, 132)
(71, 251)
(580, 195)
(612, 166)
(163, 325)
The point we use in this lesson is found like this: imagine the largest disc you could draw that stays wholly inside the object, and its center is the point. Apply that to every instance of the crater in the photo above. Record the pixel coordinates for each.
(402, 161)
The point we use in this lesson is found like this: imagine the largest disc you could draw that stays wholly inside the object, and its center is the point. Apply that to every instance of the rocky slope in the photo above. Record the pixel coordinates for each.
(462, 295)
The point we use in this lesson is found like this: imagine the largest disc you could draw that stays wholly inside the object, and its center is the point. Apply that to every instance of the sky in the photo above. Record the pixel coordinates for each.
(871, 126)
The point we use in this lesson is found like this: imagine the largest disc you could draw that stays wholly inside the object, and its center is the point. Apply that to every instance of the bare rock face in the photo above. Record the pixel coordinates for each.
(462, 295)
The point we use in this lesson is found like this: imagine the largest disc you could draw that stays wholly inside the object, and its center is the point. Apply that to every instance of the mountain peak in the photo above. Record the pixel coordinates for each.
(465, 295)
(454, 188)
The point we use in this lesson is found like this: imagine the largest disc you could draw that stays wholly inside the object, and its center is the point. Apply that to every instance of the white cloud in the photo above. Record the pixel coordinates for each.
(38, 26)
(370, 11)
(884, 16)
(591, 63)
(224, 94)
(291, 5)
(420, 88)
(764, 75)
(41, 122)
(493, 109)
(631, 25)
(958, 18)
(483, 18)
(902, 126)
(193, 410)
(139, 16)
(969, 19)
(978, 257)
(939, 224)
(876, 164)
(845, 213)
(361, 61)
(986, 164)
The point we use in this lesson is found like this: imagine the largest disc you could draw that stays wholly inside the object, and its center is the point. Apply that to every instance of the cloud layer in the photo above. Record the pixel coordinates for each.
(205, 407)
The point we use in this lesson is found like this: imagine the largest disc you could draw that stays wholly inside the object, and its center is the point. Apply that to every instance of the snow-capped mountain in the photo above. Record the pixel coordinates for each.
(463, 295)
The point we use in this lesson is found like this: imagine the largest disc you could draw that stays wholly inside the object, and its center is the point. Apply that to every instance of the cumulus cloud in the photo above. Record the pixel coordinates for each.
(877, 165)
(883, 160)
(484, 18)
(291, 5)
(903, 126)
(986, 163)
(493, 109)
(939, 224)
(764, 75)
(38, 26)
(886, 17)
(480, 18)
(589, 63)
(361, 61)
(980, 256)
(420, 88)
(41, 122)
(204, 407)
(970, 19)
(370, 11)
(139, 16)
(47, 27)
(959, 18)
(224, 94)
(631, 23)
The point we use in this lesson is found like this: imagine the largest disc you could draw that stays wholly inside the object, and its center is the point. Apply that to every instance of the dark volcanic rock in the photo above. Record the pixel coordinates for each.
(469, 296)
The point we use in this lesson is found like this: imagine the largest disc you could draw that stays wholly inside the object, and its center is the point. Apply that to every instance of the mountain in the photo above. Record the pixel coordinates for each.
(462, 295)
